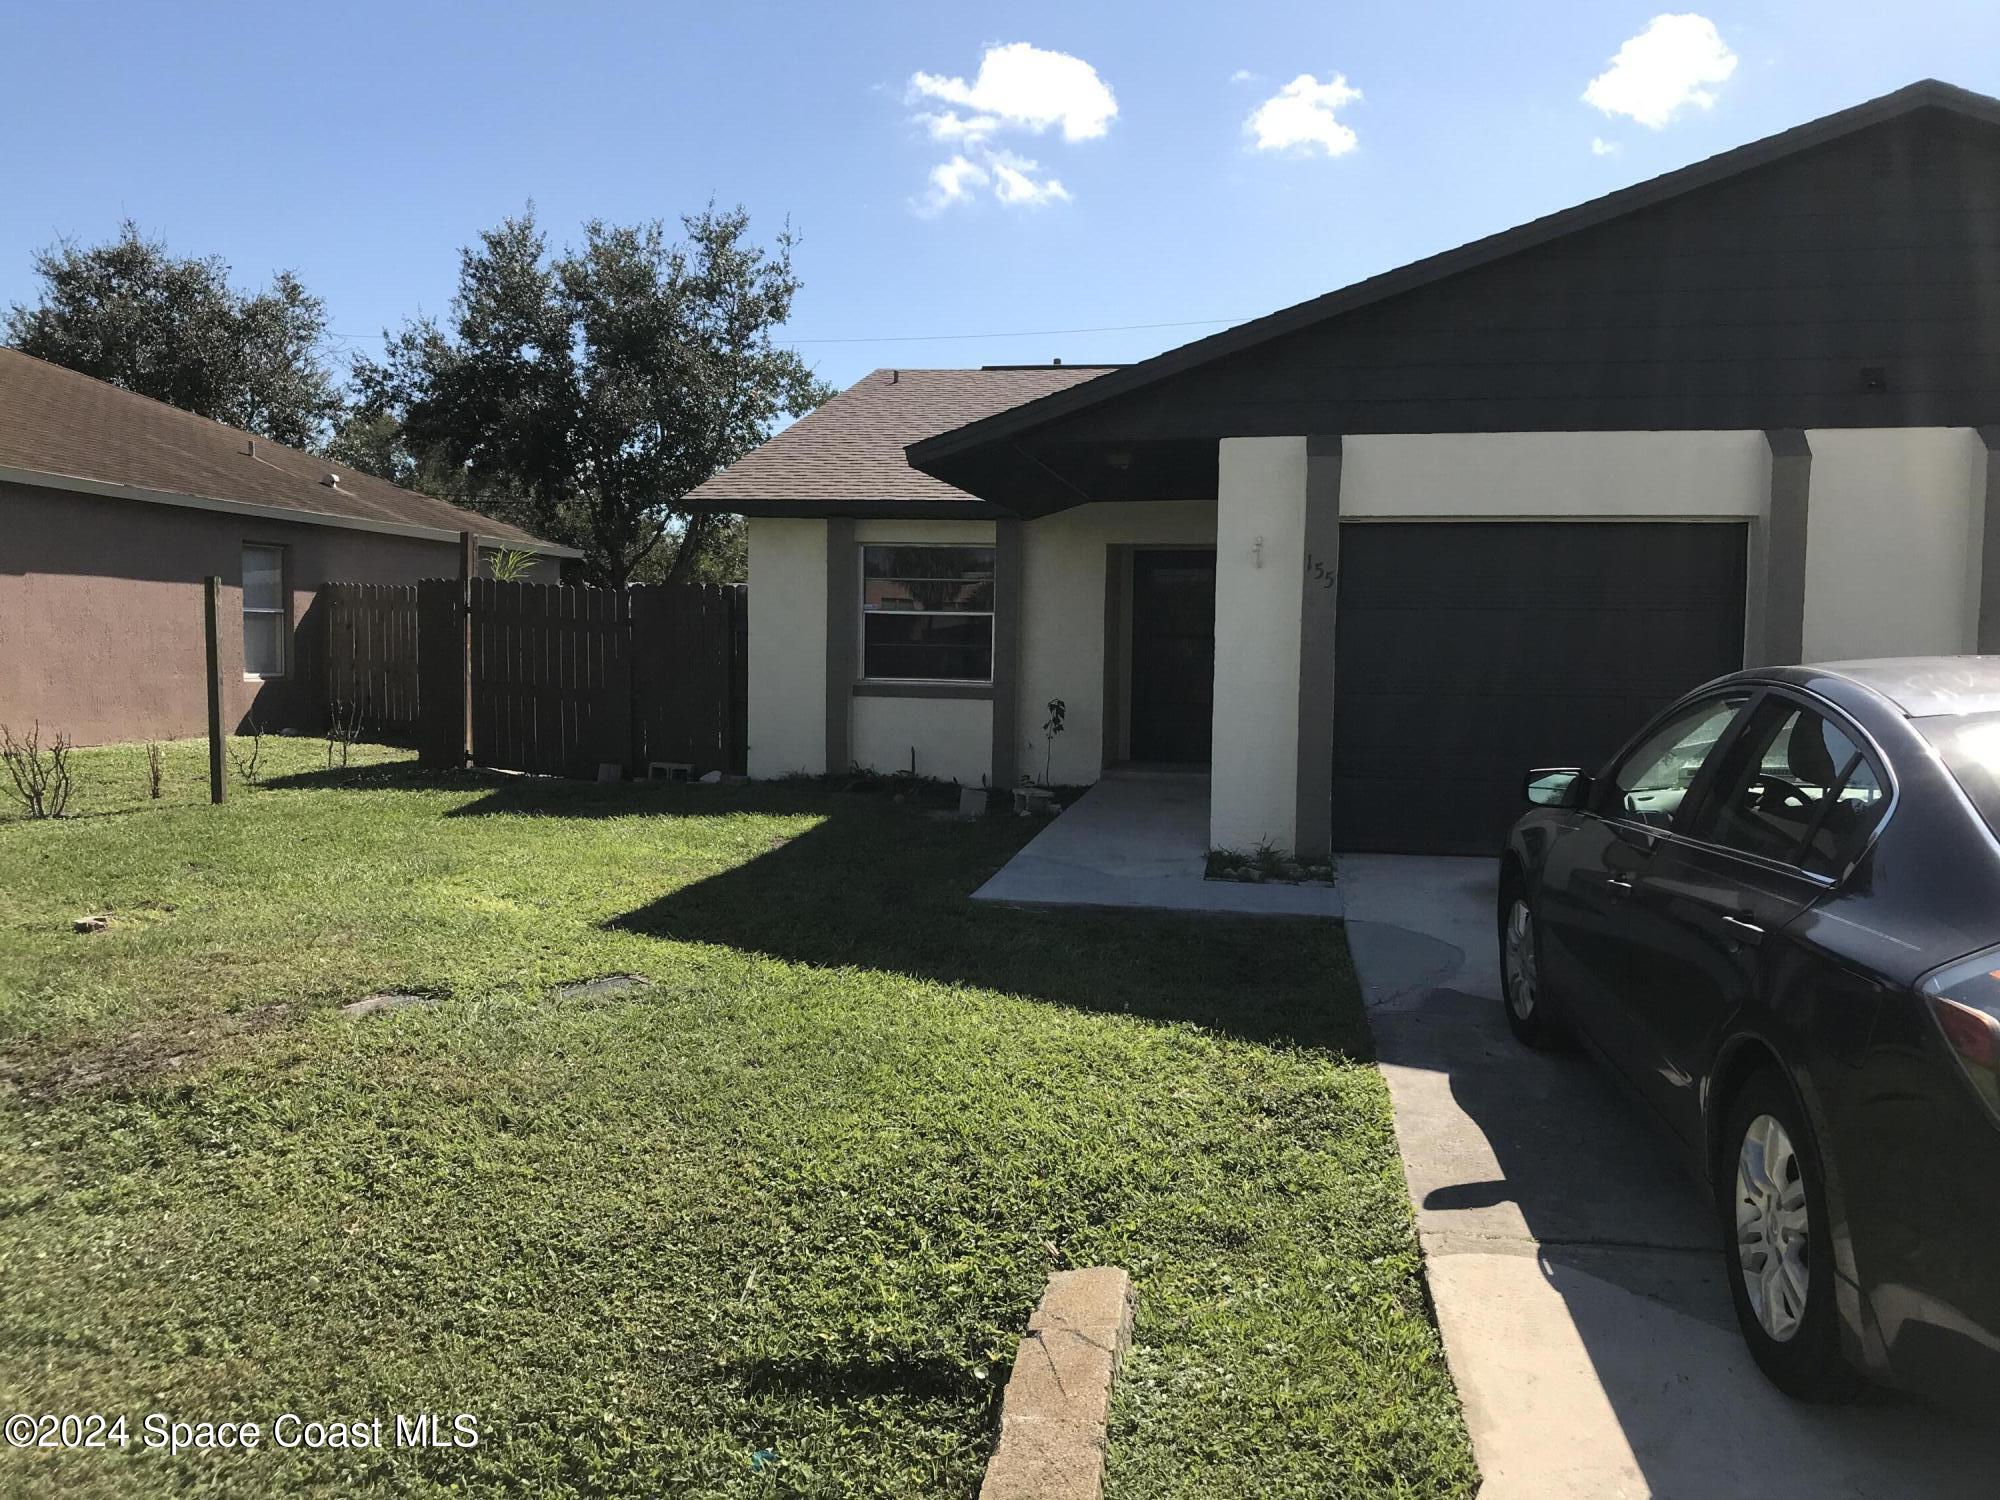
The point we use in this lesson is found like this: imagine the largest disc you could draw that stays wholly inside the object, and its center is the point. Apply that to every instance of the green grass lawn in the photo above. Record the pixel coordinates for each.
(769, 1226)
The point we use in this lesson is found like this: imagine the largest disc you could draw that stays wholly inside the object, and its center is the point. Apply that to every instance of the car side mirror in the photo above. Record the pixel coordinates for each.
(1564, 787)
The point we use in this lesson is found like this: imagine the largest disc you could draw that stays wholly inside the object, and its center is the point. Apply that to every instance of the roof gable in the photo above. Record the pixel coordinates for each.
(1372, 356)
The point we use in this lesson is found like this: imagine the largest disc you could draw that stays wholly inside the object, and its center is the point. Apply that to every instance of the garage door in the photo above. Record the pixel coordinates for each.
(1466, 652)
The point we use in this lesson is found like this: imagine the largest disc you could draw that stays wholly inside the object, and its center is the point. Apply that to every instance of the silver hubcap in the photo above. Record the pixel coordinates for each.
(1772, 1227)
(1519, 947)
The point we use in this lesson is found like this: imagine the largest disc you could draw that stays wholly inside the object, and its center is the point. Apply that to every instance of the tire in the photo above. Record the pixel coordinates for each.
(1769, 1174)
(1524, 996)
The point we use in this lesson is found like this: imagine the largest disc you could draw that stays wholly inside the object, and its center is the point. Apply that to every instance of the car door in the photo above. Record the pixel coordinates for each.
(1592, 871)
(1793, 798)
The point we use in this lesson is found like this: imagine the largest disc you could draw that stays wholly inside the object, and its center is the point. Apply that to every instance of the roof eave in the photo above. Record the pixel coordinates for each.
(858, 510)
(79, 484)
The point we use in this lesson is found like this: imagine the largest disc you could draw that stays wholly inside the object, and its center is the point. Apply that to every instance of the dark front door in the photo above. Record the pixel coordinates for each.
(1173, 655)
(1468, 651)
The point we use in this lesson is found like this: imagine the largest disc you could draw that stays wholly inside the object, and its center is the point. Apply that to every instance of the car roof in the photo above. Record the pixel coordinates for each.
(1918, 687)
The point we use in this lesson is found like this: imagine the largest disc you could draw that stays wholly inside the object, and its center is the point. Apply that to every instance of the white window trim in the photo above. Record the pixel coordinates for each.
(862, 612)
(283, 610)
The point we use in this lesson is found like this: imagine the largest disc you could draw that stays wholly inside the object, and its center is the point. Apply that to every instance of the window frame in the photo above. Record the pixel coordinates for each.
(283, 609)
(1871, 753)
(1608, 805)
(862, 612)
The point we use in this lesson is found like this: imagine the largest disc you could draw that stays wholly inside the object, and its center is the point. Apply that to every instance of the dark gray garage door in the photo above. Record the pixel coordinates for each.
(1467, 652)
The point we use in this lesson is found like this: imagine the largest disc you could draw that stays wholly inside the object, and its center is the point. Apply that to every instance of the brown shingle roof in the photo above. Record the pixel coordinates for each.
(58, 423)
(851, 449)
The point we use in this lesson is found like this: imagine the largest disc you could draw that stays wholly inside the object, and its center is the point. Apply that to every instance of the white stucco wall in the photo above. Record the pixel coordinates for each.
(1259, 568)
(1893, 535)
(1063, 564)
(787, 646)
(1581, 475)
(951, 738)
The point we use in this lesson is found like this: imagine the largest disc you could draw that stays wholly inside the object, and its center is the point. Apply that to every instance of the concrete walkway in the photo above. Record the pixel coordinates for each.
(1575, 1269)
(1140, 839)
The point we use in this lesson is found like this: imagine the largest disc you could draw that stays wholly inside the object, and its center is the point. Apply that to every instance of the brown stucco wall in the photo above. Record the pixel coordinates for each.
(101, 612)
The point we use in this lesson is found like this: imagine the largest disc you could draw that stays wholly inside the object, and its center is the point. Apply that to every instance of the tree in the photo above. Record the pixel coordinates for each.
(172, 327)
(584, 394)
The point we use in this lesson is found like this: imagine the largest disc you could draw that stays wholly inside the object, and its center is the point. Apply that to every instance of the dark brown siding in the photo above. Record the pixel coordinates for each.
(1755, 302)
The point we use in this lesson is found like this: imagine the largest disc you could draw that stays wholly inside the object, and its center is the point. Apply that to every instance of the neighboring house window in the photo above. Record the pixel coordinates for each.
(927, 613)
(265, 622)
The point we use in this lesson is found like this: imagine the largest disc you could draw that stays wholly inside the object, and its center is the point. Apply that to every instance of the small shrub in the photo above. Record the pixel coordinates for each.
(40, 774)
(153, 769)
(509, 564)
(246, 765)
(343, 730)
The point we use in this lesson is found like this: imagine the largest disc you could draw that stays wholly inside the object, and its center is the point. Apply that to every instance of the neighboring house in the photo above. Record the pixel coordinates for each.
(1372, 557)
(114, 508)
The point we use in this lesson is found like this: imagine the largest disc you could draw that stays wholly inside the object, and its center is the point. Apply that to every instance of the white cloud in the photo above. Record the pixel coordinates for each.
(1599, 146)
(1021, 89)
(1301, 117)
(1670, 66)
(1243, 75)
(1014, 181)
(1023, 86)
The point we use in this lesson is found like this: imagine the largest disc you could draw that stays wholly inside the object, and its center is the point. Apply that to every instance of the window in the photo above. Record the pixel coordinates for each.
(927, 613)
(1655, 777)
(1795, 789)
(266, 625)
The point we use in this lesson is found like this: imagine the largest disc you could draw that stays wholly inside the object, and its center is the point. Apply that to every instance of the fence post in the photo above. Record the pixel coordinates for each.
(468, 569)
(211, 592)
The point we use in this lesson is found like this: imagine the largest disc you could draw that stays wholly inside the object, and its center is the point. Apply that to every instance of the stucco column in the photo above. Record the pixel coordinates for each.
(1988, 629)
(1319, 573)
(843, 639)
(1006, 648)
(1780, 607)
(1260, 565)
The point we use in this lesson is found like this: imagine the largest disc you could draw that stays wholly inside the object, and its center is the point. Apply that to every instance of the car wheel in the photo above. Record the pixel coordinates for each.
(1522, 993)
(1776, 1245)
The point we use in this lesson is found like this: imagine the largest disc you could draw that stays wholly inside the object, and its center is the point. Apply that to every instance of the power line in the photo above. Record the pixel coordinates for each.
(1033, 333)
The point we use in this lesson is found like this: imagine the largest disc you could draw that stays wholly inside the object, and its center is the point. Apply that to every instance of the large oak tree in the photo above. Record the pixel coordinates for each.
(583, 394)
(171, 327)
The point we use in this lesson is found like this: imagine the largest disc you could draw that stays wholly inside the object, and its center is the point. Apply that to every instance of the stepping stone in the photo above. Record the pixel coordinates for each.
(609, 984)
(370, 1004)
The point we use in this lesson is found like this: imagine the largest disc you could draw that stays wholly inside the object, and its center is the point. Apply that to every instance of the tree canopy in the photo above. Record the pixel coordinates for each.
(582, 394)
(171, 327)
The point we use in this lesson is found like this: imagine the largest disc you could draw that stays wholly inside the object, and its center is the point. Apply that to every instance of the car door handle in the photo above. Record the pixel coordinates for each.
(1622, 887)
(1749, 932)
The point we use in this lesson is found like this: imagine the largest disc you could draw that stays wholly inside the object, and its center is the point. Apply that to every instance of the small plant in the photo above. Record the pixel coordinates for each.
(41, 776)
(246, 765)
(1268, 864)
(509, 564)
(1052, 727)
(153, 769)
(343, 729)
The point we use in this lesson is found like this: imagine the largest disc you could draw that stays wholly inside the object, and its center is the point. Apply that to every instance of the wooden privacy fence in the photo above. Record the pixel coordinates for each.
(564, 680)
(370, 654)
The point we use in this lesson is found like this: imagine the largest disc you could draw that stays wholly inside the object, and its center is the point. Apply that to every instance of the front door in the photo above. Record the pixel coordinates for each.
(1173, 655)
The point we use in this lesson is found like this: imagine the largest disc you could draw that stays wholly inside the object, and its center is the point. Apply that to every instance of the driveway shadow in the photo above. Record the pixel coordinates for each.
(1575, 1264)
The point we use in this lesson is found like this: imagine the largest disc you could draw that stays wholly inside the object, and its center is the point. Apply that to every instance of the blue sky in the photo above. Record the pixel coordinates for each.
(361, 144)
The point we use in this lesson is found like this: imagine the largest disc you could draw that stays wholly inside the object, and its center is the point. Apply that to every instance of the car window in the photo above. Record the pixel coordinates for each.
(1652, 781)
(1796, 789)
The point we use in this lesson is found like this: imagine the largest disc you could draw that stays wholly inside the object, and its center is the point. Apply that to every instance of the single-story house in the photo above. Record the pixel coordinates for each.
(1371, 557)
(113, 510)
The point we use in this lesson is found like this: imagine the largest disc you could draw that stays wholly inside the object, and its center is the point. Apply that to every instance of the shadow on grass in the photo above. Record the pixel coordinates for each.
(885, 887)
(507, 794)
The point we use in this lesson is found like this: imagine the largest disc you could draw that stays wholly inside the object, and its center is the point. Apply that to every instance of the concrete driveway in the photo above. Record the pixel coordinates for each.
(1576, 1275)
